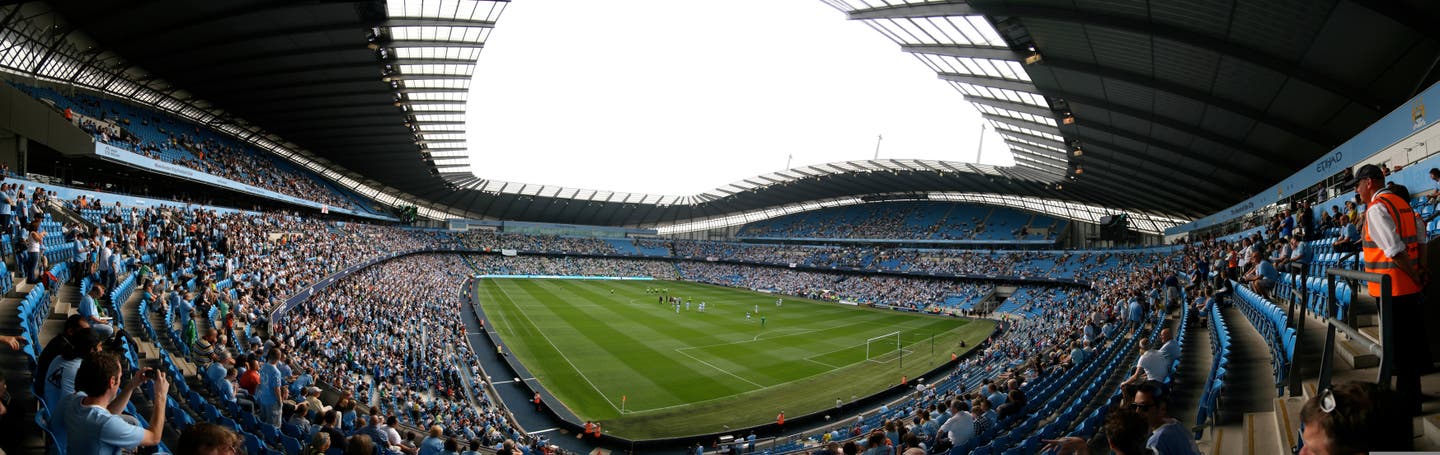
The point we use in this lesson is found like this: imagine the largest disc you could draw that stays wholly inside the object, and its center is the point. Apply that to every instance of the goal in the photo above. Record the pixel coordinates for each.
(885, 348)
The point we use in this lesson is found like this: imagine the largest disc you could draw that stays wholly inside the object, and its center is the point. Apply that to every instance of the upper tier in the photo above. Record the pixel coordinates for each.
(173, 140)
(925, 221)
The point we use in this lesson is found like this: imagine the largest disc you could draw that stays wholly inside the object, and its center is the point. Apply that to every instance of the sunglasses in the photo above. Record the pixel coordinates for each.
(1141, 407)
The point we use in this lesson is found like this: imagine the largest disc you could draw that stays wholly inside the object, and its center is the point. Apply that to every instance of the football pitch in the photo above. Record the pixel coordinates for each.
(613, 353)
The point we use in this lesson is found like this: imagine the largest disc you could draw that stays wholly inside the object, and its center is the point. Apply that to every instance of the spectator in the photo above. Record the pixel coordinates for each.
(1167, 435)
(60, 377)
(93, 414)
(961, 425)
(319, 443)
(1393, 244)
(73, 324)
(360, 445)
(1262, 277)
(433, 444)
(330, 425)
(1125, 432)
(209, 439)
(271, 391)
(87, 310)
(1354, 418)
(1169, 347)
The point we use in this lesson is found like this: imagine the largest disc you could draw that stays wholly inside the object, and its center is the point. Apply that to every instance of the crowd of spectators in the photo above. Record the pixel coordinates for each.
(496, 241)
(902, 292)
(909, 221)
(392, 336)
(1044, 264)
(572, 266)
(164, 137)
(995, 382)
(270, 255)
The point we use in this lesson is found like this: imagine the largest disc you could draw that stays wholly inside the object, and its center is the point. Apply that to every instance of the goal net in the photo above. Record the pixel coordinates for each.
(885, 348)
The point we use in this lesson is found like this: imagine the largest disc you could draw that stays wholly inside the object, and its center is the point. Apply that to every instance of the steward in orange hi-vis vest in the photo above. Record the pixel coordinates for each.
(1376, 261)
(1392, 246)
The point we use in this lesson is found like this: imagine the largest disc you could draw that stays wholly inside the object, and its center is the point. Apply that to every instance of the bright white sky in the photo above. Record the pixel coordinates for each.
(680, 97)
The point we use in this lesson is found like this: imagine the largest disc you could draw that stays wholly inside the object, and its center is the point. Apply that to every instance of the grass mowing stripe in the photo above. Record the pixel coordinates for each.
(584, 318)
(652, 326)
(773, 361)
(753, 364)
(557, 349)
(646, 363)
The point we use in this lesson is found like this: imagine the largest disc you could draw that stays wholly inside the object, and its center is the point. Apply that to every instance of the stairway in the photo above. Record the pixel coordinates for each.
(1195, 361)
(1252, 382)
(62, 214)
(1367, 321)
(1245, 422)
(18, 433)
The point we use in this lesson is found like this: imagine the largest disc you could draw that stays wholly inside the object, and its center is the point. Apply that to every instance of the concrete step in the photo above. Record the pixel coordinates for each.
(51, 328)
(1430, 433)
(1367, 319)
(1226, 440)
(1351, 353)
(147, 349)
(1286, 420)
(1372, 332)
(186, 368)
(1205, 444)
(21, 289)
(1260, 433)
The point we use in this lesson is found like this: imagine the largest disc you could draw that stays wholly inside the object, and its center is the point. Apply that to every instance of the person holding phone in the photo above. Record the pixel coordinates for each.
(94, 414)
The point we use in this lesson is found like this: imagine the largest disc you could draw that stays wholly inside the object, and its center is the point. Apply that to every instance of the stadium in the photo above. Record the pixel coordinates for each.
(259, 227)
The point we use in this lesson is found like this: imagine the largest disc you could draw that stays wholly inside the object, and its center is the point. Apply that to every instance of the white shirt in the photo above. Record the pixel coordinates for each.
(1382, 227)
(1155, 366)
(960, 428)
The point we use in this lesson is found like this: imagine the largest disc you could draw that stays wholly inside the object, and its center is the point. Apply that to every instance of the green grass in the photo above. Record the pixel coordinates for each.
(694, 373)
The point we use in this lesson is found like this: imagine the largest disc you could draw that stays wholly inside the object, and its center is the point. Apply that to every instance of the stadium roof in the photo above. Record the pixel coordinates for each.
(1173, 108)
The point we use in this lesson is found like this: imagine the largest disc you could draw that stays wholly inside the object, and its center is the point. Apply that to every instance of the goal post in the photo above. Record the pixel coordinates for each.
(879, 349)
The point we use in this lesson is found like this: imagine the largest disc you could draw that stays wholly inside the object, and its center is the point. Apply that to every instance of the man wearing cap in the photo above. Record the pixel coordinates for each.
(1393, 240)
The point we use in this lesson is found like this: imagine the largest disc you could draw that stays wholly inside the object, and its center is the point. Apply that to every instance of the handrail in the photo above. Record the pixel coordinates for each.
(1295, 386)
(1381, 349)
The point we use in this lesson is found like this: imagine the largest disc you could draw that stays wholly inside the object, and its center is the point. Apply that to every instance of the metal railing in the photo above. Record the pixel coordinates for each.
(1333, 325)
(1291, 316)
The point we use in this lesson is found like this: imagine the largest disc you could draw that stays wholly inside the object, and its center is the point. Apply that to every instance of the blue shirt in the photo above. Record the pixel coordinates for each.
(215, 377)
(1350, 232)
(1137, 311)
(432, 446)
(94, 430)
(1267, 271)
(182, 309)
(269, 379)
(305, 380)
(58, 428)
(1171, 438)
(60, 380)
(87, 307)
(1301, 253)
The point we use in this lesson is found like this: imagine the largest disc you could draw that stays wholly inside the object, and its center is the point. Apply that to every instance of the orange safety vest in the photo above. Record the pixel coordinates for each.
(780, 418)
(1377, 262)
